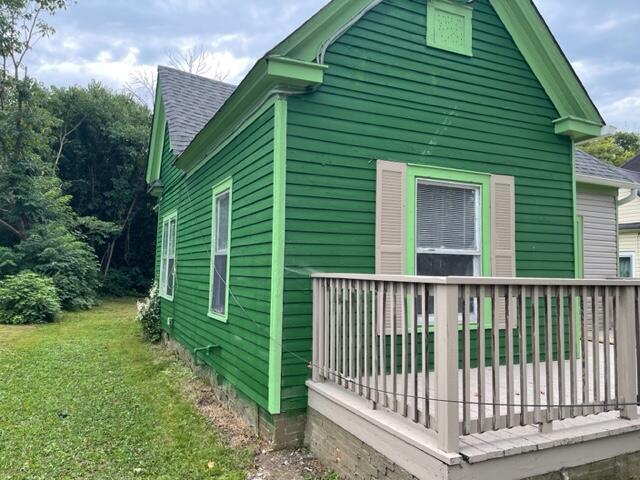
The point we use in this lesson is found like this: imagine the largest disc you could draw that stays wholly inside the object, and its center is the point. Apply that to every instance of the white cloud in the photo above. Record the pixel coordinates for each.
(624, 113)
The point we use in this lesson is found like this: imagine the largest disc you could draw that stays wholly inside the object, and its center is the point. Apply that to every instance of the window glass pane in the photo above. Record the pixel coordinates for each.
(171, 263)
(165, 237)
(172, 239)
(625, 267)
(436, 265)
(218, 295)
(446, 217)
(222, 222)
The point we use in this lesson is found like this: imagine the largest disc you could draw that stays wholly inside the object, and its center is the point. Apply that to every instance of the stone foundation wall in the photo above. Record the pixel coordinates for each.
(281, 431)
(343, 453)
(624, 467)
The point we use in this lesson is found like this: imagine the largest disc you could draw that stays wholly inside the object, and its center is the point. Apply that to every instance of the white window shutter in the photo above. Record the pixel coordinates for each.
(391, 218)
(391, 230)
(503, 234)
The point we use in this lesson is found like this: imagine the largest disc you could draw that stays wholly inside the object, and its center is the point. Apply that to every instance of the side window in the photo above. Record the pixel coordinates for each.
(627, 264)
(168, 258)
(220, 248)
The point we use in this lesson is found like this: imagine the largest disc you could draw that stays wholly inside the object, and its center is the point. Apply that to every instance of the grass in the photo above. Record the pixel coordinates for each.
(85, 398)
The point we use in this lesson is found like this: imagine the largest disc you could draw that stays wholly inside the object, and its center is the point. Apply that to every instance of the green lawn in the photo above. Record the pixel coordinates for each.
(85, 399)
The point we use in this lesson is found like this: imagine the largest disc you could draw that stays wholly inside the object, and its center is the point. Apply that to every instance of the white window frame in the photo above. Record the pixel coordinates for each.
(224, 187)
(631, 256)
(168, 252)
(477, 263)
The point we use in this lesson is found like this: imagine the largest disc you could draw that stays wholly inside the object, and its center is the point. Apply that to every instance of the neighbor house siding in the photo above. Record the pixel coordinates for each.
(388, 96)
(600, 231)
(244, 339)
(630, 212)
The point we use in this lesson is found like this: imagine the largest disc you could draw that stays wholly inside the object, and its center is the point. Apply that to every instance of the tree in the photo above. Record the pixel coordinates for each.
(102, 144)
(39, 230)
(616, 149)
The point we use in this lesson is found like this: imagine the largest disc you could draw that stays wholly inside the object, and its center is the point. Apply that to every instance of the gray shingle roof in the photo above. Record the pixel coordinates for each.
(190, 101)
(590, 166)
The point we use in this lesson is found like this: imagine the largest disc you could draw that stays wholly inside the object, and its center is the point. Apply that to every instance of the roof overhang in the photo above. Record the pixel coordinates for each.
(578, 129)
(270, 76)
(156, 143)
(605, 182)
(156, 189)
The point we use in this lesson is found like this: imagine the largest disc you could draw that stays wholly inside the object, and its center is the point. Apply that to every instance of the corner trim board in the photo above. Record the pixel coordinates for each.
(277, 254)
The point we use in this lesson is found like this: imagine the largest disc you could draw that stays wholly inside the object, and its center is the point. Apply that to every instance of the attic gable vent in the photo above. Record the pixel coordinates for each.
(449, 26)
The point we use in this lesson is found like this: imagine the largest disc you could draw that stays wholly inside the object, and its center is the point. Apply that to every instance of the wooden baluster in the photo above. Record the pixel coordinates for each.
(414, 361)
(315, 330)
(626, 353)
(359, 321)
(466, 359)
(481, 360)
(405, 352)
(425, 354)
(375, 314)
(548, 341)
(584, 352)
(535, 335)
(495, 356)
(511, 308)
(327, 327)
(343, 336)
(383, 341)
(606, 330)
(522, 340)
(393, 353)
(333, 334)
(574, 314)
(562, 392)
(366, 288)
(595, 348)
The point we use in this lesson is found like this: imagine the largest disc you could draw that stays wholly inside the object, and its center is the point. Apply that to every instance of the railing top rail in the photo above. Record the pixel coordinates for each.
(499, 281)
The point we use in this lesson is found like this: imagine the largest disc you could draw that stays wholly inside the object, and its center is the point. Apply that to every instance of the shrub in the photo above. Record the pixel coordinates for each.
(124, 282)
(149, 316)
(28, 298)
(57, 253)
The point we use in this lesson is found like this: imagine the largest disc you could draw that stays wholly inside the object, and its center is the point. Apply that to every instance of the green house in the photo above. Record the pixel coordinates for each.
(395, 137)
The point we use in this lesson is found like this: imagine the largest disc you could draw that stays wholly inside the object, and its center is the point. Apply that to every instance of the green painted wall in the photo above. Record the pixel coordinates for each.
(388, 96)
(243, 359)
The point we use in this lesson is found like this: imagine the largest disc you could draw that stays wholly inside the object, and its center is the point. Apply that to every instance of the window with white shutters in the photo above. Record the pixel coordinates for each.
(220, 248)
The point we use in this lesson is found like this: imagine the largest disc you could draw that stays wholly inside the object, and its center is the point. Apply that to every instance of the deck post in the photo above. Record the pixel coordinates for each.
(446, 367)
(626, 353)
(317, 318)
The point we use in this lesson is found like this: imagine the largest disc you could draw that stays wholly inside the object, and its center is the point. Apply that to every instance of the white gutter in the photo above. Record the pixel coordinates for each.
(606, 183)
(633, 194)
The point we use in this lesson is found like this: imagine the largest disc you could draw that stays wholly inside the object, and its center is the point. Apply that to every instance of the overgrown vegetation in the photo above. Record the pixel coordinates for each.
(616, 149)
(85, 398)
(73, 206)
(28, 298)
(149, 316)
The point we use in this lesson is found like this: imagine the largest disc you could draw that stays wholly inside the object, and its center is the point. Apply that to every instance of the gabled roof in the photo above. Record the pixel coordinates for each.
(590, 169)
(296, 63)
(189, 102)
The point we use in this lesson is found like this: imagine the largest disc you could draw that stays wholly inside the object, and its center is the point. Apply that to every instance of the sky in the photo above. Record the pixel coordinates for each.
(109, 40)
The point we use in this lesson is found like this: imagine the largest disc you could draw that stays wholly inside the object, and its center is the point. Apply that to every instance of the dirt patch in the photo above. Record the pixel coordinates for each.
(267, 464)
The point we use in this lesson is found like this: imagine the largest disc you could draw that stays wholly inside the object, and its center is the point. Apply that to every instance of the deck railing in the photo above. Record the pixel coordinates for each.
(468, 355)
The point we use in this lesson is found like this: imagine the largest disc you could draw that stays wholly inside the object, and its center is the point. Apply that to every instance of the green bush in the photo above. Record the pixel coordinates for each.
(124, 282)
(149, 316)
(28, 298)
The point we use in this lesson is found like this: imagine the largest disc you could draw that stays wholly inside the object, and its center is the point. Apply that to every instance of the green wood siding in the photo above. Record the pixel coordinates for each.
(387, 95)
(243, 358)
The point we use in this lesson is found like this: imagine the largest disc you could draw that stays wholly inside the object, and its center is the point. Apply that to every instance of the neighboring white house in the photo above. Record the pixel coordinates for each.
(629, 225)
(602, 190)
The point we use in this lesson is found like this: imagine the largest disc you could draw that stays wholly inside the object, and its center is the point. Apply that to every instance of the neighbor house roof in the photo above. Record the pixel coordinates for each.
(590, 169)
(189, 102)
(633, 164)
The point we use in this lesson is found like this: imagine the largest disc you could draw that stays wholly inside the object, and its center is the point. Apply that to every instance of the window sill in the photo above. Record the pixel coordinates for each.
(166, 297)
(218, 317)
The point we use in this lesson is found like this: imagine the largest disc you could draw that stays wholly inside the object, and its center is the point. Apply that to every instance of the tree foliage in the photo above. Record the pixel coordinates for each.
(616, 149)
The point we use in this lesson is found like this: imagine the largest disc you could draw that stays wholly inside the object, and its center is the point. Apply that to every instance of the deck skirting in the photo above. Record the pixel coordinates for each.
(359, 442)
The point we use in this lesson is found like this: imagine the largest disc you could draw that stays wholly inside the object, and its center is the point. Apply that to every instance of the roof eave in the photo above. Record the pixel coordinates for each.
(552, 68)
(156, 140)
(271, 75)
(606, 182)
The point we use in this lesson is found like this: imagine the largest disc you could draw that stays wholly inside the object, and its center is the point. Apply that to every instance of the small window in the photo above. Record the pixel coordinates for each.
(168, 256)
(449, 26)
(220, 247)
(627, 261)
